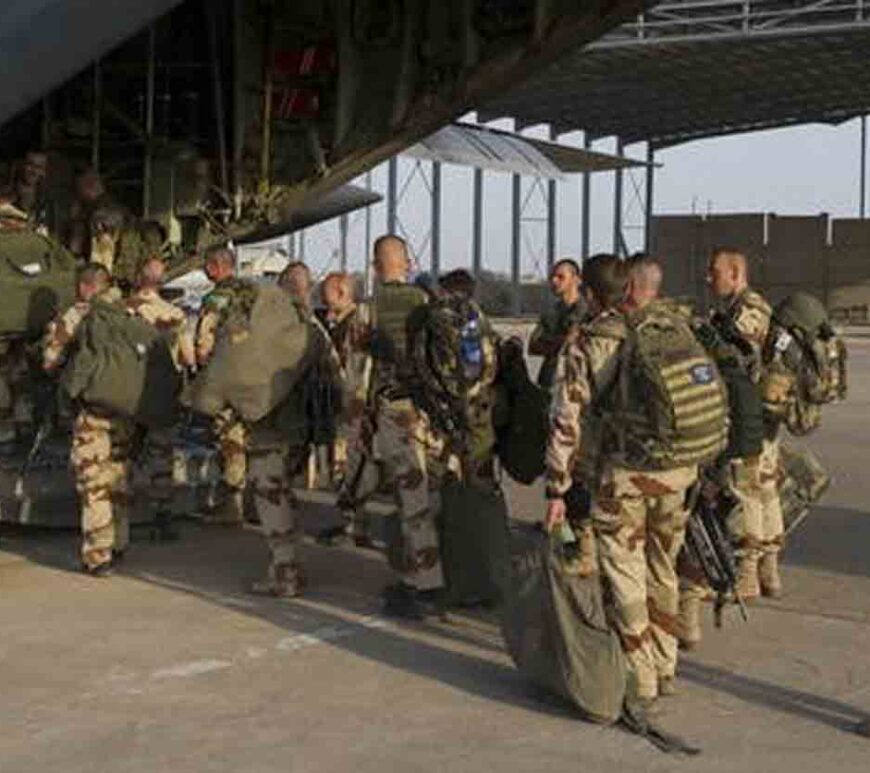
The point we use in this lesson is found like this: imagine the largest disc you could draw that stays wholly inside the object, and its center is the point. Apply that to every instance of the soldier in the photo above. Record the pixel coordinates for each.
(401, 435)
(100, 442)
(29, 188)
(145, 302)
(549, 334)
(758, 529)
(638, 513)
(296, 280)
(228, 294)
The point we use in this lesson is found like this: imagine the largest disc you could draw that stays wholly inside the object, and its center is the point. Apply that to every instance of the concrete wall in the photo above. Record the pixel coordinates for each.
(829, 258)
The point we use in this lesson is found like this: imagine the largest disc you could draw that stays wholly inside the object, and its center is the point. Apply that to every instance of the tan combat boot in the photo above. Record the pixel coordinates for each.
(747, 578)
(768, 575)
(689, 621)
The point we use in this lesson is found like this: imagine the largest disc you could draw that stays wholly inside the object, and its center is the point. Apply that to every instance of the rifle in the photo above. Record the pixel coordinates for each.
(45, 405)
(709, 546)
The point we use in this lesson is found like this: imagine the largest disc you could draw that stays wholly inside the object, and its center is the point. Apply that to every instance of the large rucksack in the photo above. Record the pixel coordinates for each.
(257, 362)
(804, 363)
(122, 364)
(37, 278)
(671, 407)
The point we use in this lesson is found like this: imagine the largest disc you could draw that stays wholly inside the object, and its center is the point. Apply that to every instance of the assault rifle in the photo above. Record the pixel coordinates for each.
(710, 548)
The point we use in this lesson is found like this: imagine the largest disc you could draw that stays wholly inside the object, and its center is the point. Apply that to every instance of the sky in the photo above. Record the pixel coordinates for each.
(804, 170)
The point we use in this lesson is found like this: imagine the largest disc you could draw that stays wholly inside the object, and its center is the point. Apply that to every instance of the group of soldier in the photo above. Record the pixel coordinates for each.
(629, 521)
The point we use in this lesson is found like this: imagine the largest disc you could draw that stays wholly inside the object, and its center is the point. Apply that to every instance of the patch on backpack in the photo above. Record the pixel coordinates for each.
(702, 374)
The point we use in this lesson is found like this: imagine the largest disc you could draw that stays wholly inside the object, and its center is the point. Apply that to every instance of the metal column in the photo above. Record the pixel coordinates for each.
(392, 193)
(650, 196)
(862, 205)
(516, 242)
(367, 267)
(96, 121)
(435, 265)
(342, 250)
(149, 121)
(586, 203)
(551, 216)
(617, 203)
(477, 224)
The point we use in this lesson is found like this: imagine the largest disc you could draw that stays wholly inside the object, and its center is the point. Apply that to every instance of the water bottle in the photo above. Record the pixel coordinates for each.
(470, 350)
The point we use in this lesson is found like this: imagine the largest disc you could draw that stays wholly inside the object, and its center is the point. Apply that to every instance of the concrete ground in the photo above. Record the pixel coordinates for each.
(171, 666)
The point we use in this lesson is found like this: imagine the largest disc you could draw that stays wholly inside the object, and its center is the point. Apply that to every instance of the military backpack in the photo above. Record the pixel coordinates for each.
(37, 278)
(671, 407)
(805, 363)
(122, 364)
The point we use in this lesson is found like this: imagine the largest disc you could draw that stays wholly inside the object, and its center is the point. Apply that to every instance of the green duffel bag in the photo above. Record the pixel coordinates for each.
(804, 482)
(473, 527)
(37, 278)
(556, 629)
(122, 364)
(258, 362)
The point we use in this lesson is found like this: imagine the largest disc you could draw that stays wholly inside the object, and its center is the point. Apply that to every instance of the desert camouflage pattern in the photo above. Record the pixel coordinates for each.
(99, 457)
(272, 464)
(549, 334)
(61, 333)
(232, 436)
(638, 517)
(640, 520)
(229, 298)
(167, 318)
(587, 370)
(751, 315)
(401, 442)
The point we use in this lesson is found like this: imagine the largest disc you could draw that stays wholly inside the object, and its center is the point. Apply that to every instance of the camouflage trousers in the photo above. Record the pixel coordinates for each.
(272, 463)
(232, 435)
(402, 442)
(159, 447)
(639, 520)
(757, 525)
(99, 457)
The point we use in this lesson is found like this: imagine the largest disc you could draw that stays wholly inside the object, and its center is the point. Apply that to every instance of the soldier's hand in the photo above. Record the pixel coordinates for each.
(555, 514)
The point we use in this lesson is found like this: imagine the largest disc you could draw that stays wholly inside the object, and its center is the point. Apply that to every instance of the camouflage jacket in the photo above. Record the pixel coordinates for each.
(549, 335)
(170, 320)
(62, 330)
(229, 298)
(587, 370)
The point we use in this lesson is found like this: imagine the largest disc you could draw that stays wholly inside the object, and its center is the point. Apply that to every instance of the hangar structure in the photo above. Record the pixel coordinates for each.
(688, 69)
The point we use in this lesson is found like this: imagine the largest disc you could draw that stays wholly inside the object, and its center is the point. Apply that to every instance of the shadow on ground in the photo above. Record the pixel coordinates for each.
(834, 539)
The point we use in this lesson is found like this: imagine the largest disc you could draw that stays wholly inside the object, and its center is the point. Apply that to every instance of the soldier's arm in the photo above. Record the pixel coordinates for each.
(59, 335)
(752, 323)
(544, 340)
(206, 332)
(587, 367)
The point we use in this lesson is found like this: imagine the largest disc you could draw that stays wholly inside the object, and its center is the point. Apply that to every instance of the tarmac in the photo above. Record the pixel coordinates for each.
(171, 665)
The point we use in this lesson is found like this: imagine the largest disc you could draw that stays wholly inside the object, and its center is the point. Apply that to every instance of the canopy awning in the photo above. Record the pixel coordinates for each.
(500, 151)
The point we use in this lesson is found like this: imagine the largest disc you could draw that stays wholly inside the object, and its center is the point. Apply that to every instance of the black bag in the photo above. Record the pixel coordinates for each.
(474, 543)
(556, 629)
(521, 432)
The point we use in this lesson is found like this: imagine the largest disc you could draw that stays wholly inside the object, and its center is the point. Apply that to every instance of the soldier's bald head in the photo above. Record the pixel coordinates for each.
(645, 276)
(91, 280)
(220, 262)
(151, 274)
(391, 259)
(727, 272)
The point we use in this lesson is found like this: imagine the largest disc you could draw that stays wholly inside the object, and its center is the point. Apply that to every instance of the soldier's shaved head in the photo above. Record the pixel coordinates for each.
(296, 280)
(337, 291)
(220, 263)
(91, 280)
(151, 274)
(645, 275)
(727, 272)
(391, 261)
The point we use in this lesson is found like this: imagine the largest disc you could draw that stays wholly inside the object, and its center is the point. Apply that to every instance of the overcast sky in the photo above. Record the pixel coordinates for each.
(802, 170)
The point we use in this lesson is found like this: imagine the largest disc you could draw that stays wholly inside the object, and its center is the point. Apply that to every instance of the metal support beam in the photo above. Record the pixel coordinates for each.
(477, 223)
(586, 203)
(367, 269)
(862, 204)
(218, 92)
(97, 117)
(552, 193)
(650, 196)
(392, 193)
(343, 224)
(516, 242)
(617, 203)
(238, 110)
(435, 265)
(149, 121)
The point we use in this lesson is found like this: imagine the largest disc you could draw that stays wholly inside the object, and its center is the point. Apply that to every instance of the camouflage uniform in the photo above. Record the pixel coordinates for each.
(549, 335)
(99, 456)
(639, 516)
(170, 320)
(229, 297)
